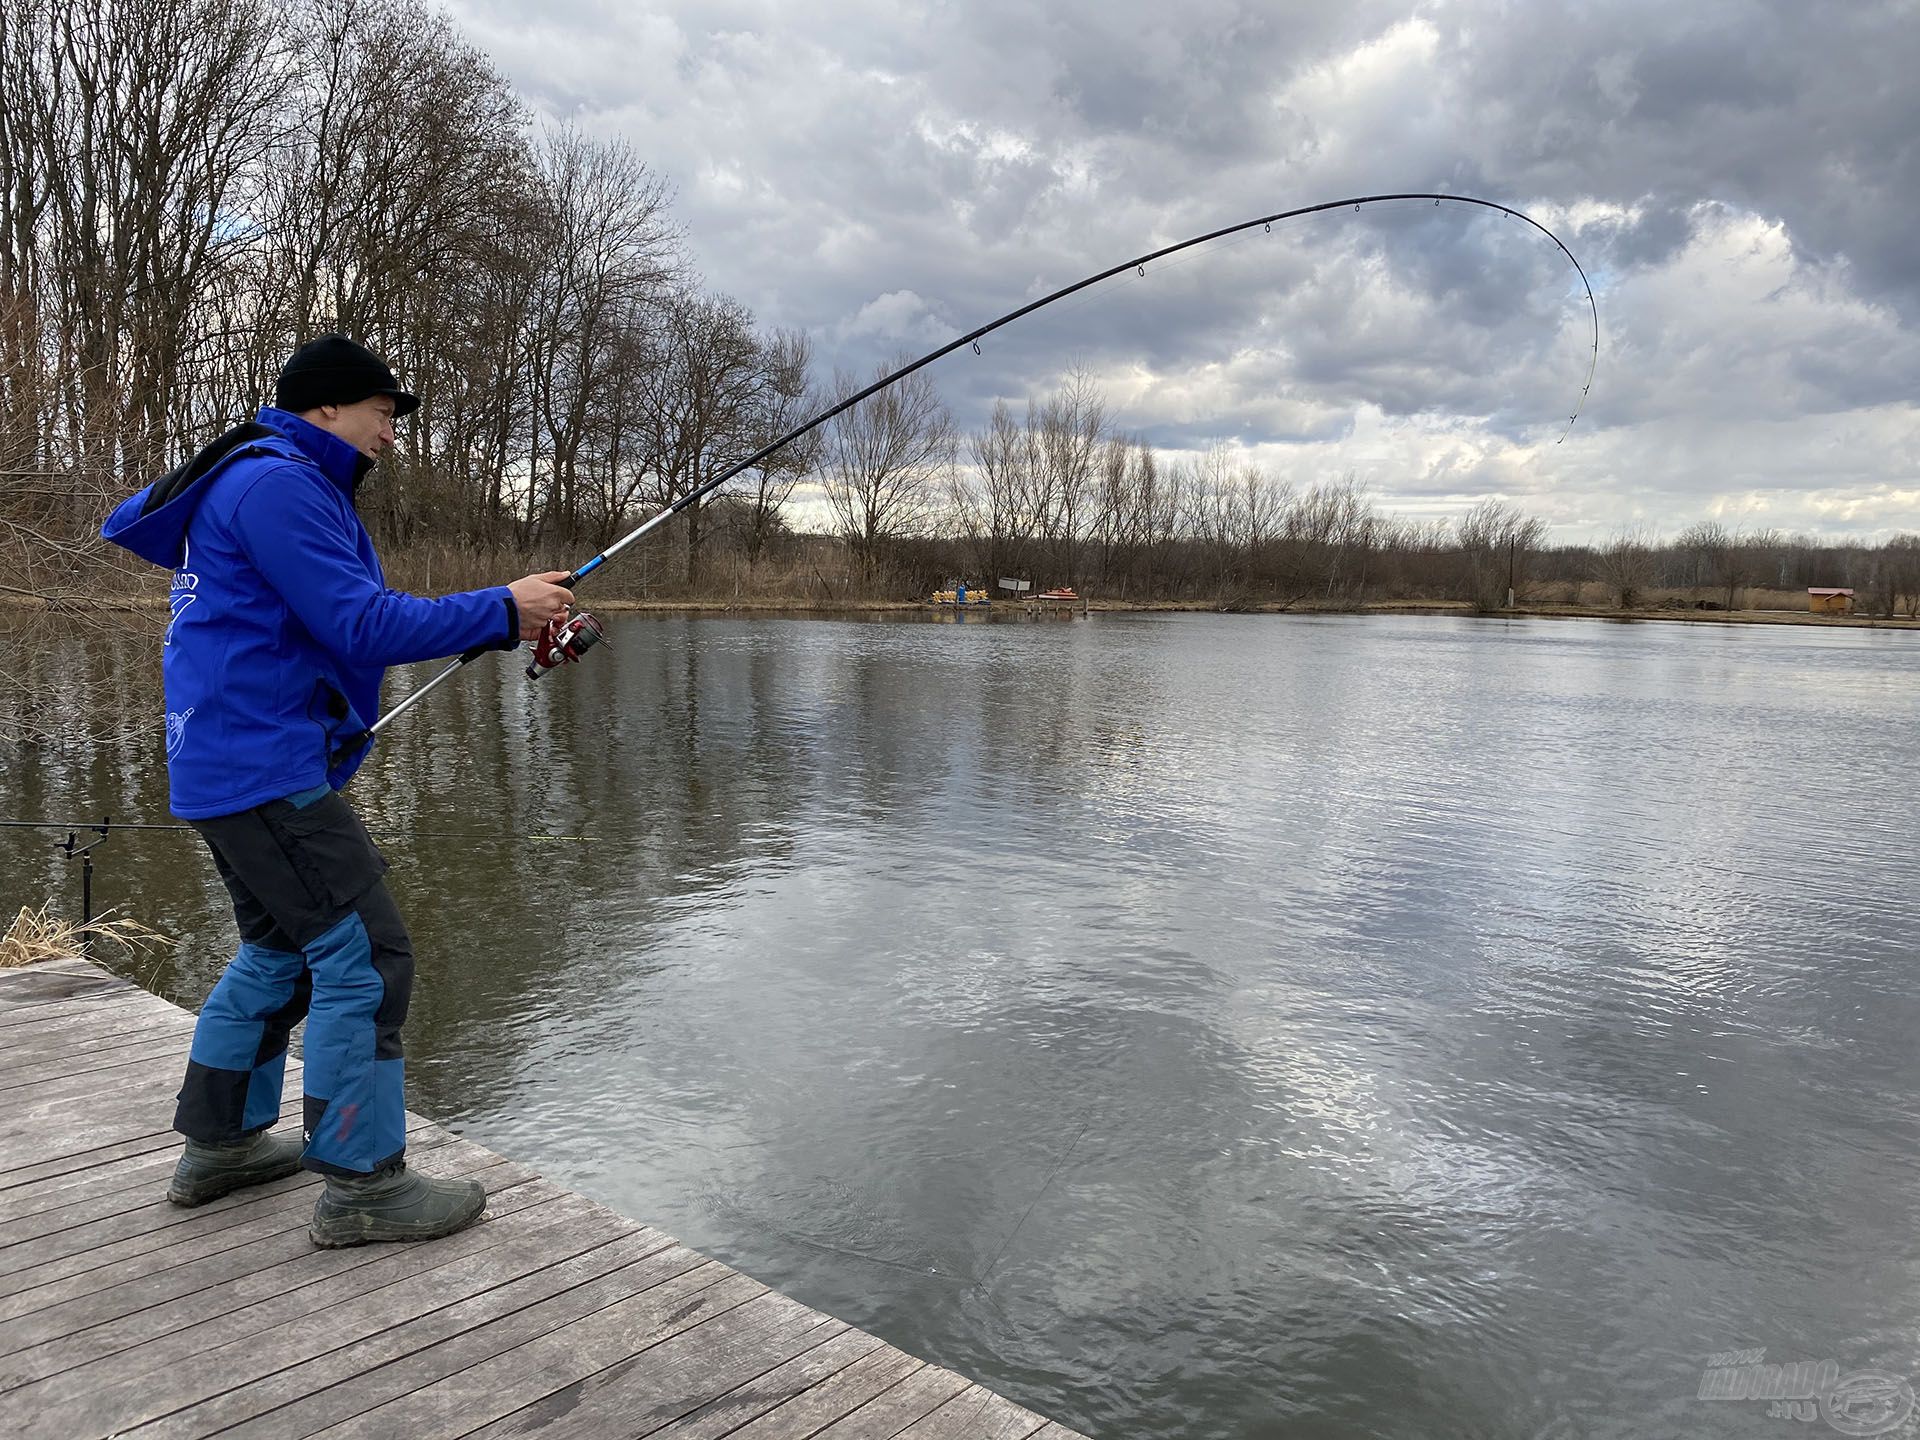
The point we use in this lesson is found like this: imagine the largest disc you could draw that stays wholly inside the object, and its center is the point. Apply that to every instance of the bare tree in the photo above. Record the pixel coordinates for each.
(1326, 537)
(1065, 434)
(710, 394)
(1727, 559)
(1119, 528)
(1625, 565)
(1496, 543)
(1758, 557)
(1898, 576)
(786, 402)
(1708, 547)
(597, 297)
(127, 128)
(885, 463)
(994, 500)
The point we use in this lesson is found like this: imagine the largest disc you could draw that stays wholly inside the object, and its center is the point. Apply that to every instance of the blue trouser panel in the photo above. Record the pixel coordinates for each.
(240, 1041)
(322, 939)
(356, 1112)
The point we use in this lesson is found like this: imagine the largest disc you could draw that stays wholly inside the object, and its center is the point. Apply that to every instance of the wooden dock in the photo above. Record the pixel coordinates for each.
(123, 1315)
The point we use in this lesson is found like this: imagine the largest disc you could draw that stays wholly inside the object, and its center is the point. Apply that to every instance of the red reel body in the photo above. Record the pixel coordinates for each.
(563, 642)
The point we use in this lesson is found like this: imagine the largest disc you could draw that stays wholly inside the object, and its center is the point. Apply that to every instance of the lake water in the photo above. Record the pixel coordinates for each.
(1187, 1025)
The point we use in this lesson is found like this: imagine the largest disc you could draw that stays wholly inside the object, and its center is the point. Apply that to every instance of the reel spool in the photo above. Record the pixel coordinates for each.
(563, 642)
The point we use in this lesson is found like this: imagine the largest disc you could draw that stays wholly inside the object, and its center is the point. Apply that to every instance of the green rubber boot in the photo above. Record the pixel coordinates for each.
(394, 1203)
(206, 1172)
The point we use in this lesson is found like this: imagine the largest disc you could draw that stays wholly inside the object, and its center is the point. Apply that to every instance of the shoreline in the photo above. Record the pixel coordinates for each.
(1459, 609)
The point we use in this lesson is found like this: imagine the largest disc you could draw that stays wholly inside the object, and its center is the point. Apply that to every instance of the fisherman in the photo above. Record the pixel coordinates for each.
(281, 632)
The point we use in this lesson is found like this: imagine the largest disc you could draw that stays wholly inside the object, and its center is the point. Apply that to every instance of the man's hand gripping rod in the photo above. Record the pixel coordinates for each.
(566, 638)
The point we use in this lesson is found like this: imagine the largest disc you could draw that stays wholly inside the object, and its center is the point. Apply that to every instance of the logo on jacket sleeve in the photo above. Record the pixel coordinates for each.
(185, 582)
(177, 730)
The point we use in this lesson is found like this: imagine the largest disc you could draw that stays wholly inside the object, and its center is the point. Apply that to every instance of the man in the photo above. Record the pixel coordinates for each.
(282, 630)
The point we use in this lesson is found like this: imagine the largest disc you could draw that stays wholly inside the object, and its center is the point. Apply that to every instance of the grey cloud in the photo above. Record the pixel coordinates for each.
(974, 156)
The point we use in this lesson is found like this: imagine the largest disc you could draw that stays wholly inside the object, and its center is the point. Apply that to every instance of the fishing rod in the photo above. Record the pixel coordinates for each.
(566, 640)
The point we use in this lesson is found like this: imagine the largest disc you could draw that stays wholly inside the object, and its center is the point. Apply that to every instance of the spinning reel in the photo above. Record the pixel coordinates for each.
(563, 642)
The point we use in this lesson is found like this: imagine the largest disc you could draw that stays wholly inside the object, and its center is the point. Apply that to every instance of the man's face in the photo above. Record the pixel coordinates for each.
(367, 424)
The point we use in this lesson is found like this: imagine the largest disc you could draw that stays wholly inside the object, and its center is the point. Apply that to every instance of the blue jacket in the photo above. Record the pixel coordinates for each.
(282, 623)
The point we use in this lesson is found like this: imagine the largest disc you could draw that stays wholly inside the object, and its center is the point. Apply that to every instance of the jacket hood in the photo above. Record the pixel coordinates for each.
(152, 523)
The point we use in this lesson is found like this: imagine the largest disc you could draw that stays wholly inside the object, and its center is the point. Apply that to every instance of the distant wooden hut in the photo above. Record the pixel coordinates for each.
(1824, 600)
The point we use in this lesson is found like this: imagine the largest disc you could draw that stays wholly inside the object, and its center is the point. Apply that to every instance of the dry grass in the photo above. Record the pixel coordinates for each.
(38, 935)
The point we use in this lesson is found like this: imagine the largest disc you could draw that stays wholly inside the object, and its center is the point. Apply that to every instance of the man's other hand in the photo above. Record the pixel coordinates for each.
(539, 600)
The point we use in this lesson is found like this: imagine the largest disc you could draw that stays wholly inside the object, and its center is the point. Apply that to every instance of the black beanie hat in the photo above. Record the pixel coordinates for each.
(333, 370)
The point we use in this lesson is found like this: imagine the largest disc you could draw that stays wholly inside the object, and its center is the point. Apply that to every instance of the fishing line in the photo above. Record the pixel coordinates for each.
(973, 1282)
(392, 831)
(566, 641)
(1058, 1165)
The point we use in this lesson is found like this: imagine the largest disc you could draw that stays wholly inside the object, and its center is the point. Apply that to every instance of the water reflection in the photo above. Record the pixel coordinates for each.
(1193, 1026)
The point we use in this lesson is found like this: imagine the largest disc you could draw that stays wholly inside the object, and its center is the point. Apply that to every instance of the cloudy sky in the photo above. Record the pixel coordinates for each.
(1740, 180)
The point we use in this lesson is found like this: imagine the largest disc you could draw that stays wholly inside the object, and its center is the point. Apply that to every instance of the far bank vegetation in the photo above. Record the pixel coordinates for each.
(195, 186)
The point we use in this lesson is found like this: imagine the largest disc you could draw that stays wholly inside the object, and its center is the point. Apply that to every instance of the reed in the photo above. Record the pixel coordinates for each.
(37, 935)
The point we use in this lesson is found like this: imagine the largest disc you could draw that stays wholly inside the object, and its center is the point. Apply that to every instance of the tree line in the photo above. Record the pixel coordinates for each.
(195, 187)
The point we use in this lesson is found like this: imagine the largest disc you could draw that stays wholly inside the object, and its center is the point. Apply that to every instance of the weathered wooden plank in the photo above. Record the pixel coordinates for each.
(83, 1209)
(481, 1392)
(75, 1025)
(29, 1062)
(131, 1172)
(162, 1060)
(54, 965)
(32, 1109)
(68, 1031)
(55, 1049)
(43, 985)
(839, 1395)
(34, 1155)
(74, 1166)
(233, 1270)
(250, 1342)
(160, 1221)
(653, 1386)
(103, 1000)
(976, 1413)
(70, 1028)
(351, 1377)
(726, 1413)
(27, 1159)
(273, 1208)
(269, 1281)
(894, 1409)
(118, 1172)
(45, 1053)
(119, 1114)
(78, 1272)
(60, 1166)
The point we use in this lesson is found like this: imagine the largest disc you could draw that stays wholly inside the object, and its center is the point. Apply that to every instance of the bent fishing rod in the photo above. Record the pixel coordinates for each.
(565, 641)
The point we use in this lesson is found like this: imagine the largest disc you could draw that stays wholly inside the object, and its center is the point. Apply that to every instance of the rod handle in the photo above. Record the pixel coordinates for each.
(344, 750)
